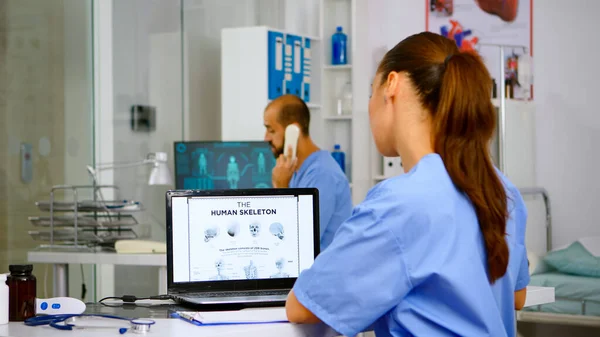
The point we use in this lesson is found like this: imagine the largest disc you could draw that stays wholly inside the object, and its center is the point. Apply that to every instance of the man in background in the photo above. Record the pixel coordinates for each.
(312, 167)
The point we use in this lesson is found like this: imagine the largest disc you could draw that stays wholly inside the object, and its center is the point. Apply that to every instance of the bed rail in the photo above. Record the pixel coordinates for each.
(542, 191)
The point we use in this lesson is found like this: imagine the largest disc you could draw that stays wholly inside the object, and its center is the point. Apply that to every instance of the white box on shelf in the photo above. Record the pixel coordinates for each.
(259, 64)
(392, 166)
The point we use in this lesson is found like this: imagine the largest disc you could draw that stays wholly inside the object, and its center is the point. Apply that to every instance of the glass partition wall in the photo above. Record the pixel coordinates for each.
(45, 116)
(162, 56)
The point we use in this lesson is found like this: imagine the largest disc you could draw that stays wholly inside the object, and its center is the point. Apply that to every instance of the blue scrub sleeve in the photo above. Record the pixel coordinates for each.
(327, 187)
(521, 222)
(358, 278)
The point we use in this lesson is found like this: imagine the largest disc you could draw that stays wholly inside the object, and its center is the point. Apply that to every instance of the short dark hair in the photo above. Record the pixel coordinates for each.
(293, 110)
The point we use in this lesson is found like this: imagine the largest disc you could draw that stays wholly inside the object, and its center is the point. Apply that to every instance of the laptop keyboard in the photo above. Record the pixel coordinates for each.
(235, 293)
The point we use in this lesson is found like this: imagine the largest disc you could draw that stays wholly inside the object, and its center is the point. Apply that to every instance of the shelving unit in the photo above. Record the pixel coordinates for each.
(336, 128)
(245, 87)
(84, 225)
(338, 118)
(258, 64)
(338, 67)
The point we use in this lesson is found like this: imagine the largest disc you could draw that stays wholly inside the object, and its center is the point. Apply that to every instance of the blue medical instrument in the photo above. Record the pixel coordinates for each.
(71, 322)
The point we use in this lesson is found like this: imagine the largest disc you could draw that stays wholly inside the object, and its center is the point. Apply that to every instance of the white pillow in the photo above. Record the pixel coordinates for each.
(534, 260)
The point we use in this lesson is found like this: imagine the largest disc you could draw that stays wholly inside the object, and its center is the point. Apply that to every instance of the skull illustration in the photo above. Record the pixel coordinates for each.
(254, 229)
(279, 264)
(277, 230)
(210, 233)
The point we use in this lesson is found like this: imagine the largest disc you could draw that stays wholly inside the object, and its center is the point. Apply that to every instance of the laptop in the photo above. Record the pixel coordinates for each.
(239, 246)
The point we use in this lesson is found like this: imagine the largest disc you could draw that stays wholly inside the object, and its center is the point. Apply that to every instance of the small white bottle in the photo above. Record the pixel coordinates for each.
(3, 299)
(344, 100)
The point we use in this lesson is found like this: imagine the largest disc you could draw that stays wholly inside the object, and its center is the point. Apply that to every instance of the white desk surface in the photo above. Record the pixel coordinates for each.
(159, 260)
(178, 327)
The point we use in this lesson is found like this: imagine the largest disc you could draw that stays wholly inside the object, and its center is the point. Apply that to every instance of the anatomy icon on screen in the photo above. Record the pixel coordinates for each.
(251, 271)
(280, 274)
(261, 163)
(254, 229)
(202, 165)
(219, 265)
(211, 233)
(233, 229)
(277, 230)
(233, 173)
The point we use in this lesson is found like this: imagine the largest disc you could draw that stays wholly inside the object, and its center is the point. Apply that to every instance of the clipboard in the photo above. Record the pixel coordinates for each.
(244, 316)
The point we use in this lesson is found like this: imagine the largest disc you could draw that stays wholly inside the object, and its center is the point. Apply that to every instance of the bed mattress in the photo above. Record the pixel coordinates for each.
(569, 291)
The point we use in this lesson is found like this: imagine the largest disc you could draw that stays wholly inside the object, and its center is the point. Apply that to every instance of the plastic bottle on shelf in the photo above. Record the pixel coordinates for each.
(3, 299)
(339, 41)
(339, 156)
(346, 97)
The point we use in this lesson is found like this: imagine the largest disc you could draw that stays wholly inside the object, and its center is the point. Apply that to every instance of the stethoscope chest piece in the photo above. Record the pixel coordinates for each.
(141, 325)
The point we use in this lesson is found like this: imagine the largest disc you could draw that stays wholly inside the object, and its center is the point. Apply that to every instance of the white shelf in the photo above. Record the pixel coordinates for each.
(309, 105)
(512, 102)
(314, 38)
(338, 118)
(338, 67)
(380, 178)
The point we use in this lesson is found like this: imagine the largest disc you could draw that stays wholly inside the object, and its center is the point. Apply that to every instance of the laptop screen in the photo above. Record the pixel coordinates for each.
(242, 237)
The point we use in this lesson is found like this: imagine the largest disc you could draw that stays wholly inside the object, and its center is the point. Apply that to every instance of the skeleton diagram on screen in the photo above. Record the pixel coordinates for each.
(280, 274)
(219, 265)
(251, 271)
(233, 173)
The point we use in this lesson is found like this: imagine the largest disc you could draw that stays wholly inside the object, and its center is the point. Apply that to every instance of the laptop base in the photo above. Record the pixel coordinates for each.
(245, 301)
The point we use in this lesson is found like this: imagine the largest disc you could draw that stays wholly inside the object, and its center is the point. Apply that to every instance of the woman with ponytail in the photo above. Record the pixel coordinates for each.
(439, 250)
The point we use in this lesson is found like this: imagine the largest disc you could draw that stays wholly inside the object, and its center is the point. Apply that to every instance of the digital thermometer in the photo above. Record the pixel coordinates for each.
(292, 132)
(59, 305)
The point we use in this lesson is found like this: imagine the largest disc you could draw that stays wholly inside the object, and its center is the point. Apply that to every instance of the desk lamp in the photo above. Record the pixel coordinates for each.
(160, 175)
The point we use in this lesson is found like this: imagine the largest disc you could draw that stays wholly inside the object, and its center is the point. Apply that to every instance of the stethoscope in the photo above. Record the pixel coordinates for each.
(70, 322)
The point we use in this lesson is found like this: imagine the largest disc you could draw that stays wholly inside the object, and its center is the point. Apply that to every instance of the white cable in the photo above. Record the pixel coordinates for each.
(46, 280)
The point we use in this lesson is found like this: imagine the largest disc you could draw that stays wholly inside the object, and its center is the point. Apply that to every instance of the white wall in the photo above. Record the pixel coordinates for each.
(567, 81)
(203, 21)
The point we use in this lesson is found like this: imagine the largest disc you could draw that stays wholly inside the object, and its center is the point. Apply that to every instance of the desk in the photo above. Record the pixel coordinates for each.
(161, 311)
(170, 327)
(105, 262)
(177, 327)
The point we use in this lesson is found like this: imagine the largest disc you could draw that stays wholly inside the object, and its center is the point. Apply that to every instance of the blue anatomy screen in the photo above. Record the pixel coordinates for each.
(223, 165)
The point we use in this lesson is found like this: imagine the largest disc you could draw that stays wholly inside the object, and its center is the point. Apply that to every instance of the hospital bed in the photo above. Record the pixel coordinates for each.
(577, 291)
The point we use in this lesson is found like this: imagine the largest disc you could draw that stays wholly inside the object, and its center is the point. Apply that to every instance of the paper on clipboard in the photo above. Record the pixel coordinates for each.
(244, 316)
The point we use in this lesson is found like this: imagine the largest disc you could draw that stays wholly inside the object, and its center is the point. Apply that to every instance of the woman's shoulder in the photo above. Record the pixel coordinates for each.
(410, 194)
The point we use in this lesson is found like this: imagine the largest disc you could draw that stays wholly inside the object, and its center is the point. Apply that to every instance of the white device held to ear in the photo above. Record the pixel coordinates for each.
(292, 132)
(59, 305)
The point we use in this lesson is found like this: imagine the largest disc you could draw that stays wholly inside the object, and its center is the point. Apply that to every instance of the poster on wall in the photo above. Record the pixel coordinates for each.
(478, 25)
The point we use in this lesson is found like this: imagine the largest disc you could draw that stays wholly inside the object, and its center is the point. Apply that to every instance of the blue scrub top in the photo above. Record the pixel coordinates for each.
(320, 170)
(411, 262)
